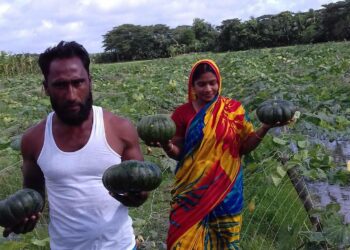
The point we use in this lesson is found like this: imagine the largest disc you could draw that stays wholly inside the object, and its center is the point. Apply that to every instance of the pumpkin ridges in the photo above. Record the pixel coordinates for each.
(3, 214)
(287, 112)
(132, 176)
(15, 207)
(156, 128)
(7, 217)
(25, 199)
(273, 111)
(277, 114)
(19, 205)
(38, 201)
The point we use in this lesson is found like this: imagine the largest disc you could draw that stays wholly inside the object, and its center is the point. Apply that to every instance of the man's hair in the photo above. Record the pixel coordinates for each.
(61, 51)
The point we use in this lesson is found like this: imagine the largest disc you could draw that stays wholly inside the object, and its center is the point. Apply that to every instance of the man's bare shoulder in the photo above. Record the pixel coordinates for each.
(33, 139)
(35, 130)
(117, 122)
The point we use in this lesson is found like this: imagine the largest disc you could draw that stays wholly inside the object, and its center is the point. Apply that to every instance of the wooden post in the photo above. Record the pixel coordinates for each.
(304, 195)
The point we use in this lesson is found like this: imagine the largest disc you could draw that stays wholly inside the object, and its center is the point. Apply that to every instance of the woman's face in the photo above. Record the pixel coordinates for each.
(206, 87)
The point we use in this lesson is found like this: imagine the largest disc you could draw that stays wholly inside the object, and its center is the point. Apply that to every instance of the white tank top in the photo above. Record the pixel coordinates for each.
(83, 215)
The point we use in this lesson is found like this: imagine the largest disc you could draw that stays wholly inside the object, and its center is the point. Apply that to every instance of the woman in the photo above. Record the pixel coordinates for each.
(212, 132)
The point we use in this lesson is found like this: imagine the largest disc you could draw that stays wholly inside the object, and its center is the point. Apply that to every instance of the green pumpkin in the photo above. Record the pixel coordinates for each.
(132, 176)
(156, 128)
(20, 205)
(272, 111)
(16, 142)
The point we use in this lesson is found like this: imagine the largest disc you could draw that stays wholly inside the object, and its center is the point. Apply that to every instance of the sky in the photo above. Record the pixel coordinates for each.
(31, 26)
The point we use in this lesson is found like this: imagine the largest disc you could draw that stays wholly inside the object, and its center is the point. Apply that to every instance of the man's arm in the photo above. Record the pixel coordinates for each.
(131, 150)
(130, 139)
(32, 178)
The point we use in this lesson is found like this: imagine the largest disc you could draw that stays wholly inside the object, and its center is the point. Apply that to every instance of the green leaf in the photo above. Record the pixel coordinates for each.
(252, 167)
(4, 144)
(316, 237)
(290, 164)
(342, 177)
(302, 144)
(137, 96)
(301, 156)
(281, 171)
(279, 141)
(333, 207)
(41, 243)
(337, 234)
(13, 245)
(276, 180)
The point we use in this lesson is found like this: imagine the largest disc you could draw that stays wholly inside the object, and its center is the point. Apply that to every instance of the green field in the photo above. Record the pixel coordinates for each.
(314, 77)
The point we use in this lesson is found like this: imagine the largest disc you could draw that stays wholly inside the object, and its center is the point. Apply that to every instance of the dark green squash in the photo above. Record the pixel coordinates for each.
(272, 111)
(20, 205)
(156, 128)
(132, 176)
(16, 142)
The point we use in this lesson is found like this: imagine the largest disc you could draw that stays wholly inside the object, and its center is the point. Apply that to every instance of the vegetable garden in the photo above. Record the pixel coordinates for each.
(282, 209)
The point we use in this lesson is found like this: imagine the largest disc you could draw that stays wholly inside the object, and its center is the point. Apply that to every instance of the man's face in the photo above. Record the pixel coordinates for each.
(69, 88)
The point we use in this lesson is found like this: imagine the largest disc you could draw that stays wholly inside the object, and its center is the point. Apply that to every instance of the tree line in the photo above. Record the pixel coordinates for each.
(136, 42)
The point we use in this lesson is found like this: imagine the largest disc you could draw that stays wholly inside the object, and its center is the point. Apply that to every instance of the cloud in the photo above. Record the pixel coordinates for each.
(32, 26)
(4, 8)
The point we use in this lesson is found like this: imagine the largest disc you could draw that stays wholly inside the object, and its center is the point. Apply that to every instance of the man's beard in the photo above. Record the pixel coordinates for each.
(72, 118)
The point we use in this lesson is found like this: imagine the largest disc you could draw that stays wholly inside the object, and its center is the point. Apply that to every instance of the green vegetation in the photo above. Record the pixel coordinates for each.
(136, 42)
(315, 78)
(11, 65)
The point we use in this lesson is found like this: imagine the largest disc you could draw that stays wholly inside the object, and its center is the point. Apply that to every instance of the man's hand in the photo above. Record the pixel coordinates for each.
(27, 225)
(131, 199)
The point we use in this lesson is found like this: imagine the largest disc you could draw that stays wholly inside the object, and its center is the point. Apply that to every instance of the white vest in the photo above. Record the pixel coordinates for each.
(83, 215)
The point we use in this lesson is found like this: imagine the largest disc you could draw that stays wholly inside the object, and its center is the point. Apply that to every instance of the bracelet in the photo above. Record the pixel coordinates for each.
(256, 135)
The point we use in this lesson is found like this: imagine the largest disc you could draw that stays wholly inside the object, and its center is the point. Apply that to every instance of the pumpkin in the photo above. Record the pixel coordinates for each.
(132, 176)
(16, 142)
(156, 128)
(272, 111)
(20, 205)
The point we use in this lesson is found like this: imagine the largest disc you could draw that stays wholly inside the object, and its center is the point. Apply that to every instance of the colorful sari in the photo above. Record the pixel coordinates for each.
(207, 196)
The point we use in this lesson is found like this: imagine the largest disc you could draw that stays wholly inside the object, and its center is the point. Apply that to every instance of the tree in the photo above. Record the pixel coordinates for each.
(133, 42)
(230, 35)
(184, 34)
(336, 20)
(205, 35)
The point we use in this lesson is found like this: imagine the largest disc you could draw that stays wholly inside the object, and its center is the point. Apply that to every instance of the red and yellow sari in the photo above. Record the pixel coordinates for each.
(207, 196)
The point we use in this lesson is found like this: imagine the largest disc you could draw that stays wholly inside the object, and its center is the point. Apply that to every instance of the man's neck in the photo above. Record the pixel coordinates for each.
(68, 128)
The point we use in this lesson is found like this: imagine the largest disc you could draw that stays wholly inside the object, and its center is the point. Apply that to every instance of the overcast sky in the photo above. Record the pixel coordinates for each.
(33, 25)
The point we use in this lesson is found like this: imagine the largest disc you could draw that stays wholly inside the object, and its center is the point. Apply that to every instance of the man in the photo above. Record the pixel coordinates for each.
(68, 152)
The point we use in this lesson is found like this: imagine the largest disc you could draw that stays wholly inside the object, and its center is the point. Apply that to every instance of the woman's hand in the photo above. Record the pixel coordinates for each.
(131, 199)
(27, 225)
(277, 124)
(168, 147)
(172, 147)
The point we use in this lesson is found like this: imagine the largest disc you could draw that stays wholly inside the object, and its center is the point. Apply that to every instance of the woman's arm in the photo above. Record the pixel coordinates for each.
(173, 147)
(254, 139)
